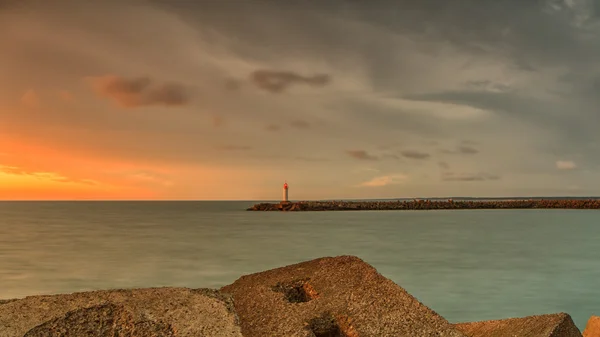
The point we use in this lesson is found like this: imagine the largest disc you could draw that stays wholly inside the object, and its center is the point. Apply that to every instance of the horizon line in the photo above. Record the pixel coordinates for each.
(276, 200)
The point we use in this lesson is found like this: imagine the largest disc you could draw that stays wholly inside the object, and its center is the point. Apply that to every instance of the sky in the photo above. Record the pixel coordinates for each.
(226, 100)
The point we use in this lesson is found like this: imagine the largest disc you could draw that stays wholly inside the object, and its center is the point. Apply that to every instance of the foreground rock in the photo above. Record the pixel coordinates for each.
(552, 325)
(142, 312)
(327, 297)
(424, 205)
(102, 320)
(340, 296)
(592, 329)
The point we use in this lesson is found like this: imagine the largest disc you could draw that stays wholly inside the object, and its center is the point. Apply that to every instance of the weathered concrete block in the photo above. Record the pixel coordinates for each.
(140, 312)
(551, 325)
(592, 329)
(341, 296)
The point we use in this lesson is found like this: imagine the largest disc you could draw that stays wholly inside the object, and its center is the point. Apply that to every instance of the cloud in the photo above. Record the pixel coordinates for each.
(565, 165)
(462, 149)
(300, 124)
(385, 180)
(273, 127)
(414, 154)
(361, 155)
(50, 176)
(278, 81)
(481, 176)
(139, 91)
(234, 148)
(30, 99)
(448, 73)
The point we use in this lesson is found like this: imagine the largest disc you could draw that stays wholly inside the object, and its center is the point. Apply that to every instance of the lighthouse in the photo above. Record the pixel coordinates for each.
(285, 192)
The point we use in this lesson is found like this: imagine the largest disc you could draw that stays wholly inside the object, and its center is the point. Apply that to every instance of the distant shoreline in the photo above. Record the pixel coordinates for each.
(427, 205)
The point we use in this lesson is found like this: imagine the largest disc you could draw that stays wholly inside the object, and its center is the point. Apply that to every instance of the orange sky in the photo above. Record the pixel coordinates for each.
(215, 100)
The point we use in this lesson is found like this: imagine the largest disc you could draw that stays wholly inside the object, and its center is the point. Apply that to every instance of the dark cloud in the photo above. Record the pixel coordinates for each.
(278, 81)
(572, 127)
(415, 154)
(465, 149)
(481, 176)
(300, 124)
(361, 155)
(139, 91)
(234, 148)
(462, 149)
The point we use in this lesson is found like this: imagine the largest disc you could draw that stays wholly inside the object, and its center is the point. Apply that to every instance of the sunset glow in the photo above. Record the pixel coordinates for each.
(227, 101)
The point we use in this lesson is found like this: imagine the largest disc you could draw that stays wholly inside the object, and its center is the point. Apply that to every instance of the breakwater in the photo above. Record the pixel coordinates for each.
(425, 205)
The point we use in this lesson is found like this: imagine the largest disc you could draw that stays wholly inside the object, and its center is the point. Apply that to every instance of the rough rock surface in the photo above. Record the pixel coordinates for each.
(107, 320)
(592, 329)
(341, 296)
(140, 312)
(551, 325)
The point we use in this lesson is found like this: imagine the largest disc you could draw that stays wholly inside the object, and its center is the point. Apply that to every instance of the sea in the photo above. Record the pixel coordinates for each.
(467, 265)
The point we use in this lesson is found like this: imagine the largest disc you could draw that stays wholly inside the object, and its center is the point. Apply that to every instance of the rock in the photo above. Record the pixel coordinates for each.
(428, 204)
(144, 312)
(592, 329)
(551, 325)
(106, 320)
(341, 296)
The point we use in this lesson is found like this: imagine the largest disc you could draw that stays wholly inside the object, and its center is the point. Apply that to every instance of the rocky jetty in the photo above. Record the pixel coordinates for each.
(424, 205)
(327, 297)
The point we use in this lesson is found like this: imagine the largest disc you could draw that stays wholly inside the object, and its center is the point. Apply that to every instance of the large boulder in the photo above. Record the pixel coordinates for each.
(592, 329)
(341, 296)
(551, 325)
(140, 312)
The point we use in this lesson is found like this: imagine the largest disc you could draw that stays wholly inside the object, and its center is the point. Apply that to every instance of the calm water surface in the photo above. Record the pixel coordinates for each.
(466, 265)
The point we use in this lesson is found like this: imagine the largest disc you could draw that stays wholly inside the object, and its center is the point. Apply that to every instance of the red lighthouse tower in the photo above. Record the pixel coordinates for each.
(285, 192)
